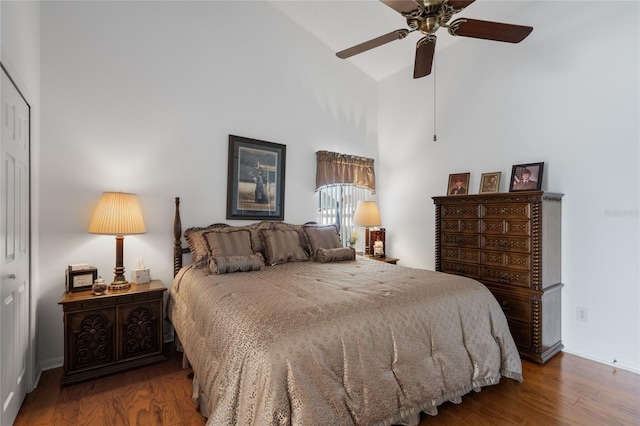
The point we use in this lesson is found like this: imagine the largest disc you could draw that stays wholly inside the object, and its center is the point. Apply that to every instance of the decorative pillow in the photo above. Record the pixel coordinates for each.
(229, 242)
(322, 236)
(198, 245)
(256, 241)
(282, 226)
(282, 246)
(229, 264)
(335, 254)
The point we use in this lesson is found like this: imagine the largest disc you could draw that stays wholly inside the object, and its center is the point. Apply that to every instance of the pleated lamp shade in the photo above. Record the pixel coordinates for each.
(118, 213)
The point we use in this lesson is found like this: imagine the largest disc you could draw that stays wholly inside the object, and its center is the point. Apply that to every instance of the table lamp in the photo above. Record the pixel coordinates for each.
(118, 214)
(367, 215)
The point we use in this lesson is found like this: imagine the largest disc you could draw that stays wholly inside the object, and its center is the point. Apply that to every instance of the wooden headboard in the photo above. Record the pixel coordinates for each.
(178, 250)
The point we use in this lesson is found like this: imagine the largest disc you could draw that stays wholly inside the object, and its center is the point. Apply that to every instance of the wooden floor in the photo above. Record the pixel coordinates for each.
(568, 390)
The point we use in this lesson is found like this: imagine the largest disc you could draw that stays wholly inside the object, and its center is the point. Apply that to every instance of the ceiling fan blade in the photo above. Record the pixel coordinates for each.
(459, 4)
(401, 6)
(488, 30)
(368, 45)
(424, 56)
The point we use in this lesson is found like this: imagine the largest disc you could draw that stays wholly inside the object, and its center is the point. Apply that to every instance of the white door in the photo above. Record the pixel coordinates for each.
(14, 250)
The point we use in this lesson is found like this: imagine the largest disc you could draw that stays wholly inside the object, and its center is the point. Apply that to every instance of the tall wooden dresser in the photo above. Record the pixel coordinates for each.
(511, 243)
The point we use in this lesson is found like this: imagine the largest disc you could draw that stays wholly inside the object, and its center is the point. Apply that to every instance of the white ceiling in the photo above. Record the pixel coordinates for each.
(341, 24)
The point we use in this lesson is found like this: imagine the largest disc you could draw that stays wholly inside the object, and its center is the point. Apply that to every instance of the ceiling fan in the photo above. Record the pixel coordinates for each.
(427, 16)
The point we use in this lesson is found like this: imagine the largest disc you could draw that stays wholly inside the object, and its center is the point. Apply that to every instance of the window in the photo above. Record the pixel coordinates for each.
(337, 204)
(341, 181)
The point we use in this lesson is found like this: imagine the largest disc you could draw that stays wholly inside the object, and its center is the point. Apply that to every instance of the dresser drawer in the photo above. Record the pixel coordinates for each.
(506, 259)
(515, 308)
(506, 276)
(461, 225)
(522, 334)
(507, 211)
(466, 269)
(509, 227)
(461, 254)
(507, 244)
(460, 240)
(460, 211)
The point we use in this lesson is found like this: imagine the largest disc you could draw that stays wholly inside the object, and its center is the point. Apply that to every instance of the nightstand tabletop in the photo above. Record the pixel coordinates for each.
(151, 286)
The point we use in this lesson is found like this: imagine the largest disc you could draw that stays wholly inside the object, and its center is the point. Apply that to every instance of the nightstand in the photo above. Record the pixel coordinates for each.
(391, 260)
(116, 331)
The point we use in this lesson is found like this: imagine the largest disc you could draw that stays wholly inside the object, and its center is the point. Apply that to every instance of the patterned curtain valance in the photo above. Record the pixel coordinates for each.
(341, 169)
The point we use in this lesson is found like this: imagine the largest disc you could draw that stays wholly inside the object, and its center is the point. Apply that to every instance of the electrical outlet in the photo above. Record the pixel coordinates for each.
(582, 314)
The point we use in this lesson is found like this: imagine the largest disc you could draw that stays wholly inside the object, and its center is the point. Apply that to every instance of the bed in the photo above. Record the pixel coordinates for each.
(278, 338)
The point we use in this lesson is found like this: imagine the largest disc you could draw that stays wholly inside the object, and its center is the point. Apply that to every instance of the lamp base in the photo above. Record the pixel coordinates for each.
(119, 285)
(119, 281)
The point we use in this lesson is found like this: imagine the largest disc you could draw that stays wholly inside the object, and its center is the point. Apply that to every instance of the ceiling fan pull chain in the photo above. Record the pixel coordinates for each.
(435, 138)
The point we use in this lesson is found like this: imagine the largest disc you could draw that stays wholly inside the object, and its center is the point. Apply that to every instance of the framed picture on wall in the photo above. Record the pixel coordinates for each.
(255, 182)
(458, 184)
(526, 177)
(490, 183)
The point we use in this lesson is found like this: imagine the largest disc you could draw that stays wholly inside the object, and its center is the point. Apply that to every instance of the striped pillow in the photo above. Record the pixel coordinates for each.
(282, 246)
(198, 244)
(322, 236)
(228, 264)
(335, 254)
(230, 242)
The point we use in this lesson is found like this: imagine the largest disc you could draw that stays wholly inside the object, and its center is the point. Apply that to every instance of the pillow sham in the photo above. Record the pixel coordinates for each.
(283, 226)
(229, 264)
(282, 246)
(322, 236)
(335, 254)
(198, 245)
(229, 242)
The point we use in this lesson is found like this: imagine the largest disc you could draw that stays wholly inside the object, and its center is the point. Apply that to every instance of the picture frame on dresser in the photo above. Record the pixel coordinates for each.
(458, 184)
(526, 177)
(256, 177)
(490, 183)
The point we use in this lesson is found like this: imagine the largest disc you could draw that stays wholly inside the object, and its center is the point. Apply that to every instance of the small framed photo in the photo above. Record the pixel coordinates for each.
(490, 183)
(526, 177)
(81, 279)
(255, 183)
(458, 184)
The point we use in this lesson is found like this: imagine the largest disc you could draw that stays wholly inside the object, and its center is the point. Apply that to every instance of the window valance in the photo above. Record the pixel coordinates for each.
(341, 169)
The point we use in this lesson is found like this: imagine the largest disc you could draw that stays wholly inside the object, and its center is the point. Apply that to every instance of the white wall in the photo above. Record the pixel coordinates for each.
(568, 95)
(141, 97)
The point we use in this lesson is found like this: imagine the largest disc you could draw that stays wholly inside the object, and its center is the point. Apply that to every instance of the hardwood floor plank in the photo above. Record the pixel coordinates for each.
(568, 390)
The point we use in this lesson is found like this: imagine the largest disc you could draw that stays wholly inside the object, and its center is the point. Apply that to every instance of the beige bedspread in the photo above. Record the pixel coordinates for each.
(359, 342)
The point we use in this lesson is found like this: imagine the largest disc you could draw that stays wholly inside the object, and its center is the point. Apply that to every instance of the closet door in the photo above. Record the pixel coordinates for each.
(14, 250)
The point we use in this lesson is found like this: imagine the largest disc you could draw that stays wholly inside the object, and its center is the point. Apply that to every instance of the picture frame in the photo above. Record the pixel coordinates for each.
(458, 184)
(490, 183)
(256, 177)
(80, 280)
(526, 177)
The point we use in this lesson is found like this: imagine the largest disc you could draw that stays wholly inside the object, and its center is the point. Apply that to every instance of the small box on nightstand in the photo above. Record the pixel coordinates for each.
(140, 276)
